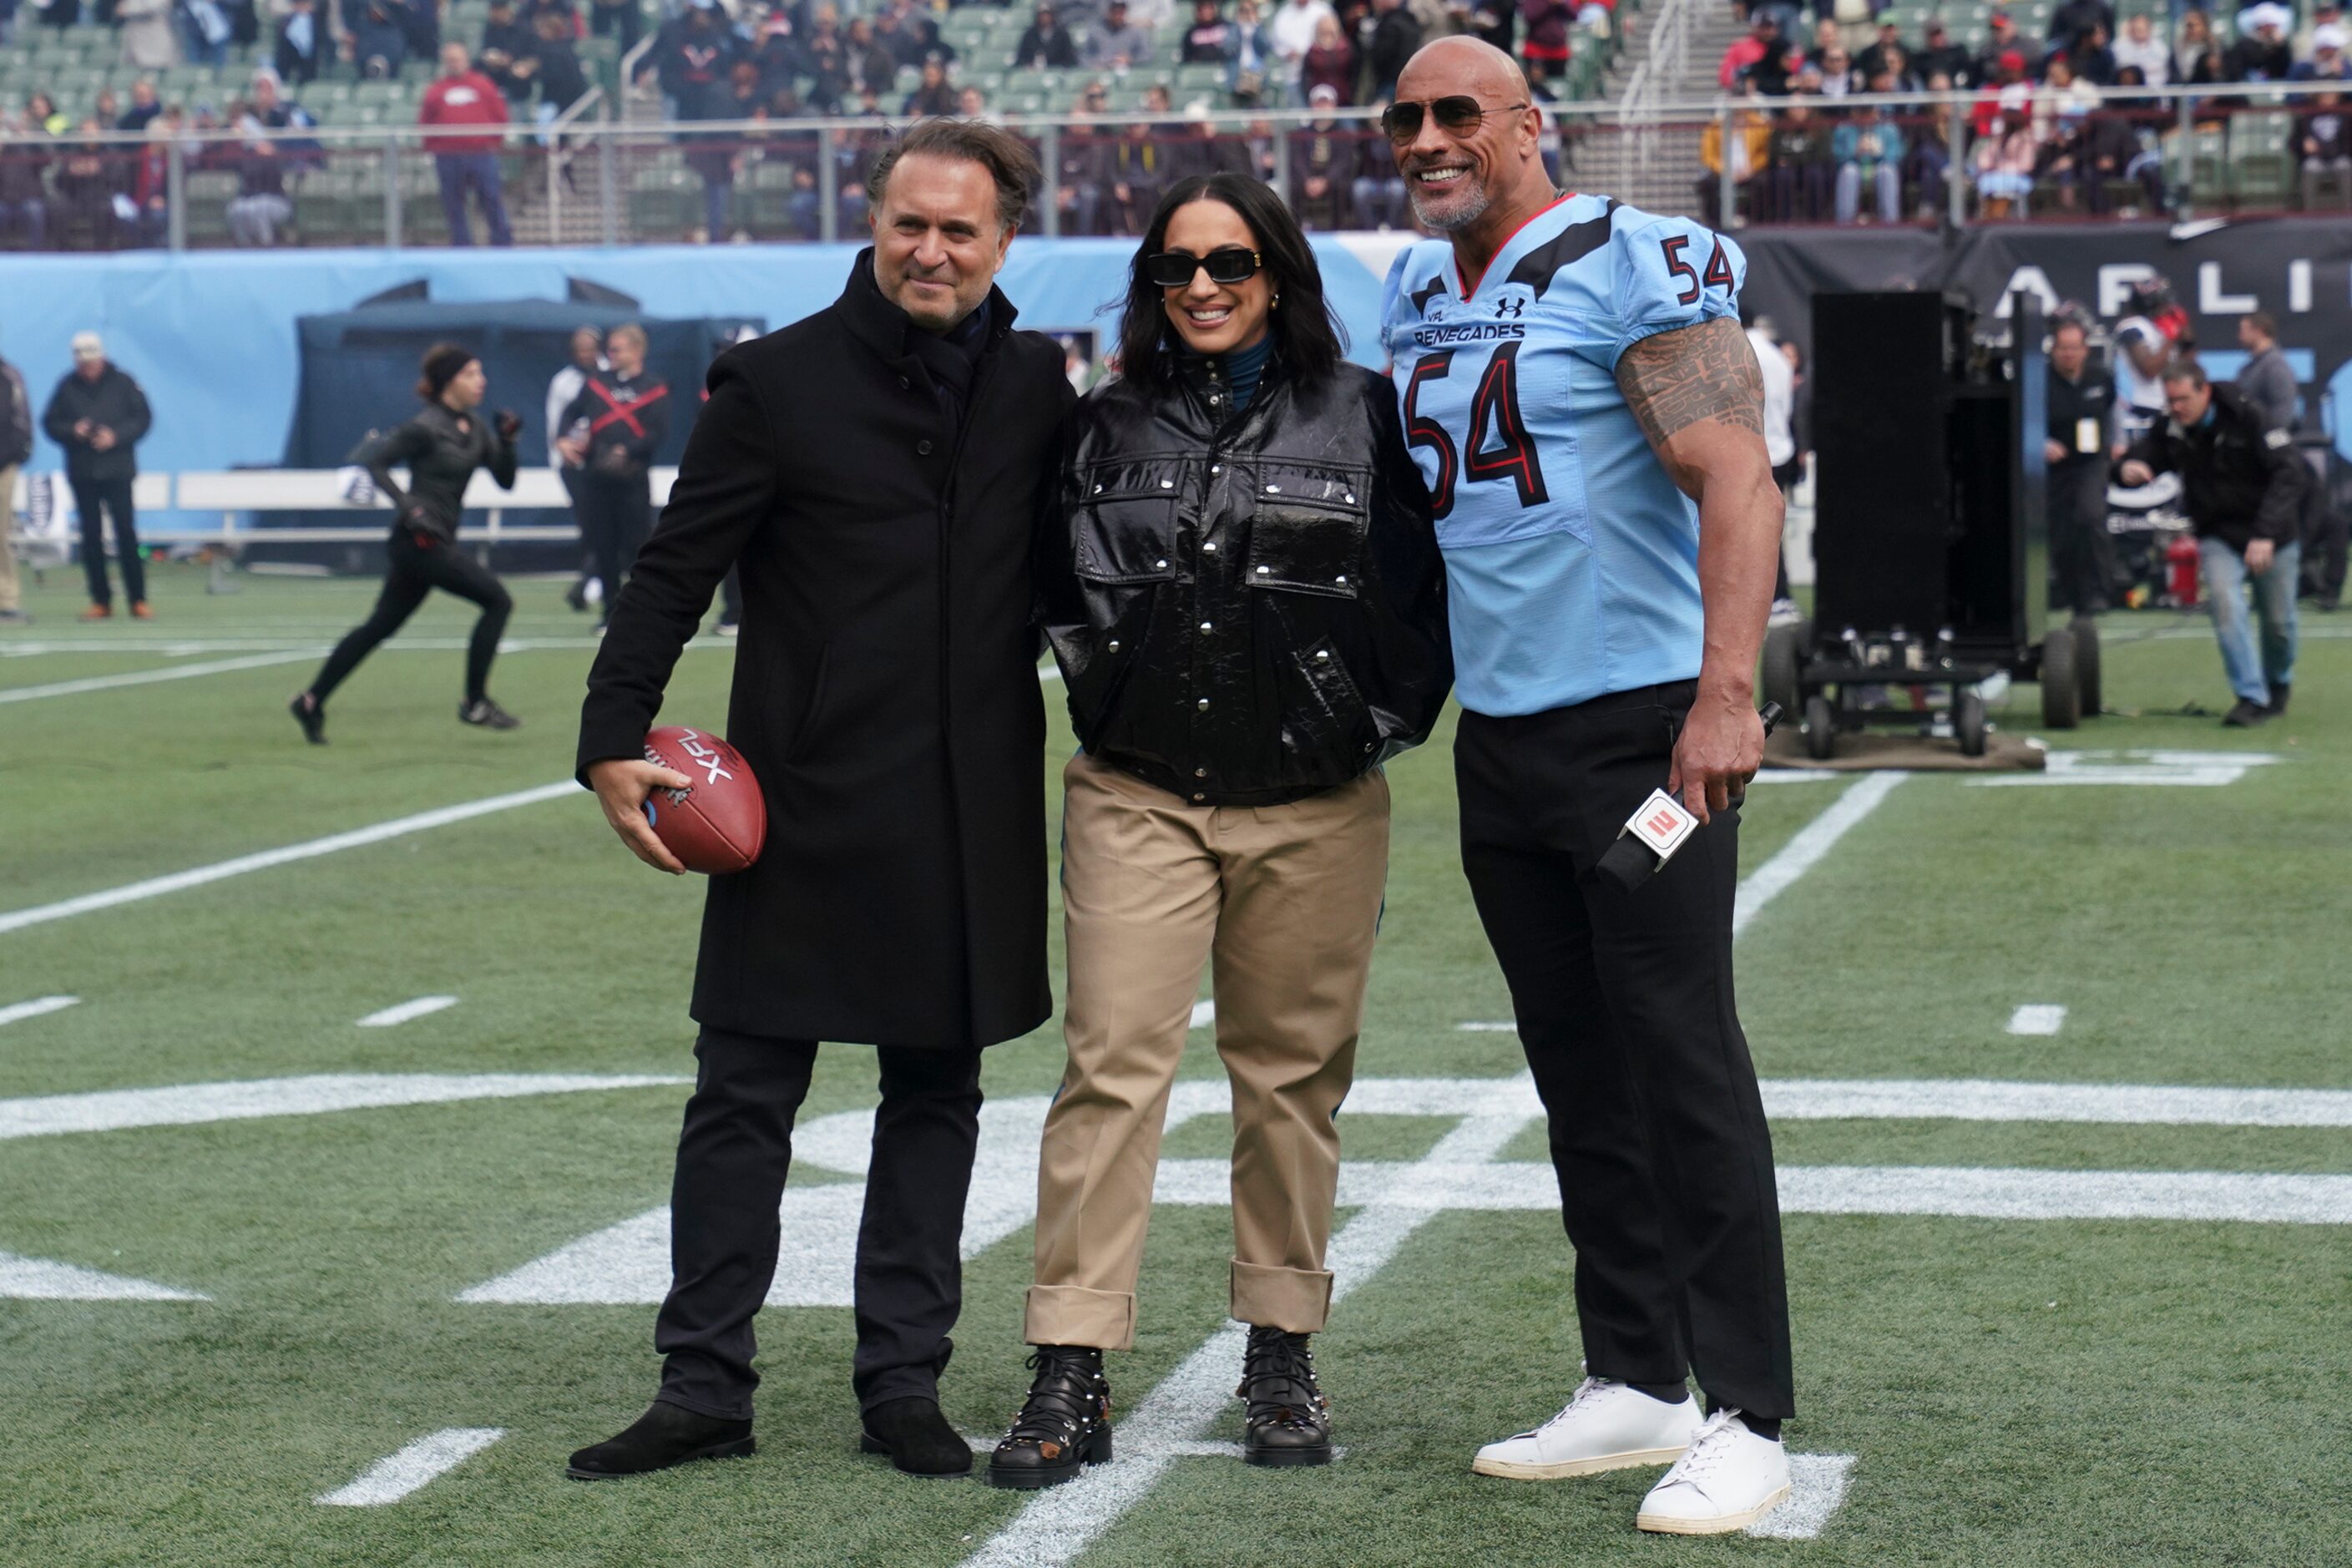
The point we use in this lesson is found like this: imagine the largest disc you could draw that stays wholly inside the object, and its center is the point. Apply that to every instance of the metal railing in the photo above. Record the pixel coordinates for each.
(2215, 149)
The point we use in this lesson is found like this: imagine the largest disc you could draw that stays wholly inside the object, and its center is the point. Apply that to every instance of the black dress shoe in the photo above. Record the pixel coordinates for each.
(1063, 1427)
(917, 1437)
(664, 1435)
(1289, 1420)
(2279, 694)
(2246, 714)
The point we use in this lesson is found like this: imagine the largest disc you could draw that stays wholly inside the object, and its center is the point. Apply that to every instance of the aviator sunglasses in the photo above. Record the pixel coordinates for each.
(1459, 114)
(1174, 268)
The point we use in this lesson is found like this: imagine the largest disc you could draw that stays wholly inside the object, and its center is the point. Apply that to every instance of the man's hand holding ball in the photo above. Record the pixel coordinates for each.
(623, 784)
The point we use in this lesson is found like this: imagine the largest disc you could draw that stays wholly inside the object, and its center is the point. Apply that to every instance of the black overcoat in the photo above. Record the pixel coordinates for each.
(885, 687)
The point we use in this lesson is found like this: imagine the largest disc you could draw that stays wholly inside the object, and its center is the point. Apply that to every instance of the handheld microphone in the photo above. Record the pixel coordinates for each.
(1652, 833)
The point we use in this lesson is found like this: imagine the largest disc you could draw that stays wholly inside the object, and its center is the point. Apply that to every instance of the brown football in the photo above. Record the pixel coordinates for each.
(718, 823)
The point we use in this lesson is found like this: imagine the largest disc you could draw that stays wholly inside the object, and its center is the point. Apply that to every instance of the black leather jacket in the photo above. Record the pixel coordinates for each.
(1246, 610)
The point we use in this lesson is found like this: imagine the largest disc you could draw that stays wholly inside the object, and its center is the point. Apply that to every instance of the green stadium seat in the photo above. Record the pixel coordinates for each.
(209, 192)
(2261, 170)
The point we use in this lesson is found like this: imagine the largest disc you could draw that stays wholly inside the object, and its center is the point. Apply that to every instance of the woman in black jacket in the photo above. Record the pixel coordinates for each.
(1242, 587)
(442, 446)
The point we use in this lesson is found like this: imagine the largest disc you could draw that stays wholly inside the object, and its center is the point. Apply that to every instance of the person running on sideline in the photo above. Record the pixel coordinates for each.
(1589, 418)
(442, 446)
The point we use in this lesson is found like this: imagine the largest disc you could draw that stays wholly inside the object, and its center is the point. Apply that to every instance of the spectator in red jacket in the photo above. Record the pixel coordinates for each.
(464, 96)
(1547, 47)
(1762, 38)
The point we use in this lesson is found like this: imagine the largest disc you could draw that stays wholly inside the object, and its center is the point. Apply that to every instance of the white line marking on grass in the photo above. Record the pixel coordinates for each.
(20, 1011)
(40, 1280)
(1058, 1524)
(1980, 1099)
(1490, 1027)
(149, 677)
(1804, 851)
(628, 1263)
(155, 887)
(187, 1105)
(2038, 1018)
(390, 1479)
(314, 646)
(2207, 769)
(405, 1011)
(1204, 1012)
(1816, 1490)
(1968, 1192)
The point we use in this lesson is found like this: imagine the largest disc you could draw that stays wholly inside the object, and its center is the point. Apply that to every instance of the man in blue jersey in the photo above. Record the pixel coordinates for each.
(1588, 415)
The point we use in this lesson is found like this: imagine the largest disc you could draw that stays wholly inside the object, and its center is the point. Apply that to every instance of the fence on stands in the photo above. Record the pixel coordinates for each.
(590, 177)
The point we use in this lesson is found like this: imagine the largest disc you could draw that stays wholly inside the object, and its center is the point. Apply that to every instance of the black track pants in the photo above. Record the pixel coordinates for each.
(732, 1158)
(417, 564)
(615, 514)
(111, 500)
(1626, 1009)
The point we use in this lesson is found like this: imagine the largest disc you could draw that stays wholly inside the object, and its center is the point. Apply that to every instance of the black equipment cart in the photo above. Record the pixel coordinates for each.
(1931, 537)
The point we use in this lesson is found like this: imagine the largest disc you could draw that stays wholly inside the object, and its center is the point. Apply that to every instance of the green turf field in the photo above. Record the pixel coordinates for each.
(2009, 1389)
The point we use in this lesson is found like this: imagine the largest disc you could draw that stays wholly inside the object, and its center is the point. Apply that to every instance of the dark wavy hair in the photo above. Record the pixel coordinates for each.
(1306, 339)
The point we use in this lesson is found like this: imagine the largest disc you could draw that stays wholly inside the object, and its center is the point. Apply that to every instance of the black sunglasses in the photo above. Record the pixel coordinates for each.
(1174, 268)
(1460, 114)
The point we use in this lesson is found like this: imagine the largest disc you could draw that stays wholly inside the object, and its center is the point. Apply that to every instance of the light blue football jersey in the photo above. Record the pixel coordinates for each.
(1571, 560)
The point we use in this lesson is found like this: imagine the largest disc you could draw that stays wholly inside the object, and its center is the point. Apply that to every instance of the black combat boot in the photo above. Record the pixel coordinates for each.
(1063, 1427)
(1289, 1420)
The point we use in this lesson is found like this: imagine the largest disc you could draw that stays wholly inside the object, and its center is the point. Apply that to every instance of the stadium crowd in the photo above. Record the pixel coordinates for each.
(2064, 122)
(2070, 121)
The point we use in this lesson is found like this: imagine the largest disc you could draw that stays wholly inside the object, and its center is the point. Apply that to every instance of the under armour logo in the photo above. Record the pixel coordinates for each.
(1511, 307)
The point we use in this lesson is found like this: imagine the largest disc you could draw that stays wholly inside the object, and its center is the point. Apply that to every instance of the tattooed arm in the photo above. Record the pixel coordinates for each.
(1700, 401)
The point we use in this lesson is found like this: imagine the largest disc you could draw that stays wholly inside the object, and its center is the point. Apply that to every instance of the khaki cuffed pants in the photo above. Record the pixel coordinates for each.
(1284, 901)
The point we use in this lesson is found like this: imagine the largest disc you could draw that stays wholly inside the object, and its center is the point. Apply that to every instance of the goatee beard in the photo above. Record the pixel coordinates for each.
(1455, 221)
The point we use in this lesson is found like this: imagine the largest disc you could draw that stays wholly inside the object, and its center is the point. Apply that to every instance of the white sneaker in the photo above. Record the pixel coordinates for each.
(1728, 1480)
(1607, 1426)
(1785, 612)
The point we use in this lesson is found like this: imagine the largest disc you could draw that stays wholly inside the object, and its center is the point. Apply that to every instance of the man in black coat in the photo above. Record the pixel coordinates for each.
(874, 472)
(98, 416)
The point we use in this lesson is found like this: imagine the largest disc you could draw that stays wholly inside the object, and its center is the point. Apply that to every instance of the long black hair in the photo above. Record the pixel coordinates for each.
(1307, 340)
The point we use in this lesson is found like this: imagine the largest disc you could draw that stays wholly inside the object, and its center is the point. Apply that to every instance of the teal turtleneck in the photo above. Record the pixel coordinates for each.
(1239, 370)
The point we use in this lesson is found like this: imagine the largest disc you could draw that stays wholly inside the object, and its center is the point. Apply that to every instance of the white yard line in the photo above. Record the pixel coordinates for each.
(1804, 851)
(390, 1479)
(1204, 1014)
(2038, 1018)
(628, 1262)
(38, 1005)
(149, 676)
(1816, 1488)
(1490, 1026)
(1982, 1099)
(1970, 1193)
(155, 887)
(40, 1279)
(184, 1105)
(405, 1011)
(1058, 1524)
